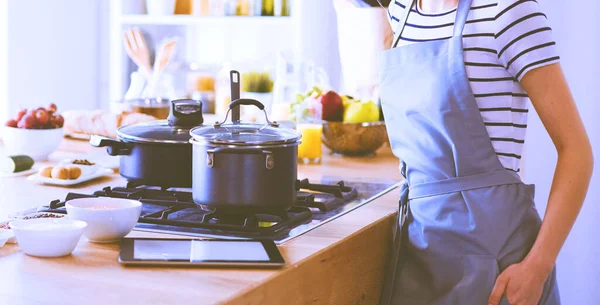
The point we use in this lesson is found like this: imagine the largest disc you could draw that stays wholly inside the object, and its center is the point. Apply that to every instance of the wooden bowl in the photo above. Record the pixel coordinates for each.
(354, 139)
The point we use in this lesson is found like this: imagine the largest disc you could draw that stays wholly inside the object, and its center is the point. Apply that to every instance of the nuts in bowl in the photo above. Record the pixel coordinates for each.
(34, 132)
(108, 219)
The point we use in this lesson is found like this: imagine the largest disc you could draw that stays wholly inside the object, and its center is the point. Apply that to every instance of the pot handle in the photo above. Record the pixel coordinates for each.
(113, 147)
(248, 102)
(269, 157)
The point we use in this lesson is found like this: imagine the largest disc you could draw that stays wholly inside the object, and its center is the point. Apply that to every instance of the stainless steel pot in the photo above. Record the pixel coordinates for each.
(245, 166)
(159, 152)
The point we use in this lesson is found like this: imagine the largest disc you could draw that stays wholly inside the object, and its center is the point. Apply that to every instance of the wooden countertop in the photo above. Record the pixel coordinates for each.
(340, 262)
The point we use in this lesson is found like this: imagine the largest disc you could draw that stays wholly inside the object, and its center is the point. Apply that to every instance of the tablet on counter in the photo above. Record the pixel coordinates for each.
(194, 252)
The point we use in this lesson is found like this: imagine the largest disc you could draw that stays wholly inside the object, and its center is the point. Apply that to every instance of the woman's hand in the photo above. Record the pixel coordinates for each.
(522, 283)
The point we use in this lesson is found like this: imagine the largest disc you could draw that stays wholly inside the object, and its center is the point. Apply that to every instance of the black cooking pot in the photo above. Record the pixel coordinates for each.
(157, 153)
(242, 167)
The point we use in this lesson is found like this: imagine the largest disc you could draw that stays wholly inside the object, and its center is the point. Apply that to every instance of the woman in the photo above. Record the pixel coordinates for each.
(455, 88)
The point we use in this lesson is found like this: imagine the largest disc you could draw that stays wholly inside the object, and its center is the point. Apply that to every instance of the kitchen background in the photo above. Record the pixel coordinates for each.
(70, 52)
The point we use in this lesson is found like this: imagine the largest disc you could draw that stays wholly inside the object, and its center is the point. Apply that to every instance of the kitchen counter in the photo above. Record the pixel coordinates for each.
(341, 262)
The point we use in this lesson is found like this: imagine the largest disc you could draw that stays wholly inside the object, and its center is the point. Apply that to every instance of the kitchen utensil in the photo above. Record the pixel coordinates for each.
(36, 143)
(137, 49)
(354, 139)
(48, 237)
(235, 95)
(163, 56)
(108, 219)
(136, 87)
(99, 172)
(159, 152)
(243, 166)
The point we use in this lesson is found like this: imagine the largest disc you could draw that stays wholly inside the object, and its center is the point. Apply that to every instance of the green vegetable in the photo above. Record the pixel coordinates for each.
(257, 82)
(15, 164)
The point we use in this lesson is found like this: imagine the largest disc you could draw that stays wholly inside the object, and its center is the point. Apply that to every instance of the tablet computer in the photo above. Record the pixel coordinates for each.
(195, 252)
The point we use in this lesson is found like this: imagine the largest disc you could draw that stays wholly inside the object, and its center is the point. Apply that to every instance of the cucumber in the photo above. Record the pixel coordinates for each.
(15, 164)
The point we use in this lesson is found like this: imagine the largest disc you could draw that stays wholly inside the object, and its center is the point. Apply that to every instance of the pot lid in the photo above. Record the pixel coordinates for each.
(184, 115)
(155, 132)
(245, 134)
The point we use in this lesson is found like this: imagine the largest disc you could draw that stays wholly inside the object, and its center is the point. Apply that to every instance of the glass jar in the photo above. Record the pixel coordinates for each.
(268, 7)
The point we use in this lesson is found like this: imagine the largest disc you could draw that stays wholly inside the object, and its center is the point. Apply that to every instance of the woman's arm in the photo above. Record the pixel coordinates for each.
(522, 283)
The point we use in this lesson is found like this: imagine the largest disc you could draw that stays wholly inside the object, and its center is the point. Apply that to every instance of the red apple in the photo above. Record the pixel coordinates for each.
(51, 108)
(57, 121)
(42, 116)
(20, 114)
(12, 123)
(333, 107)
(28, 122)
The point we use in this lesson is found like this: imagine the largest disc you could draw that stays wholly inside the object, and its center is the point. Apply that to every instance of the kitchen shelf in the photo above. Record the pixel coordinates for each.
(197, 20)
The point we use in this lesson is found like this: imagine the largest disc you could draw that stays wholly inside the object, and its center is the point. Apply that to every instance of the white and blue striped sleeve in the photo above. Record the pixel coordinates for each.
(523, 37)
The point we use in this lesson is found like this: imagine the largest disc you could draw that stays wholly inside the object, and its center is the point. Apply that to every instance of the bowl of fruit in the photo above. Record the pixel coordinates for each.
(35, 132)
(351, 127)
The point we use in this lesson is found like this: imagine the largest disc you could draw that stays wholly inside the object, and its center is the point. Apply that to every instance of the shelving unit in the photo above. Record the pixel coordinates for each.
(202, 39)
(184, 20)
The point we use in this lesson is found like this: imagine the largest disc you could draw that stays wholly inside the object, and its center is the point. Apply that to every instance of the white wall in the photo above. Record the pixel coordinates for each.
(575, 27)
(53, 52)
(3, 59)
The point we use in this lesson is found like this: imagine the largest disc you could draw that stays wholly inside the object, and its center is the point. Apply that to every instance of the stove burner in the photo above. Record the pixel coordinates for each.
(171, 207)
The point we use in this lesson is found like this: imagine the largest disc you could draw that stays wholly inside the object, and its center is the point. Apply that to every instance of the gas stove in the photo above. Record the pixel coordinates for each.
(172, 210)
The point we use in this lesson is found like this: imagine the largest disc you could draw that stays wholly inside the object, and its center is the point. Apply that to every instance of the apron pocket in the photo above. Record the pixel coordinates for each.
(479, 276)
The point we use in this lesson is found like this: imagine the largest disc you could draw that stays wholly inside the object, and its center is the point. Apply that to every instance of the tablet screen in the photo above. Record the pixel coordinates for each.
(199, 250)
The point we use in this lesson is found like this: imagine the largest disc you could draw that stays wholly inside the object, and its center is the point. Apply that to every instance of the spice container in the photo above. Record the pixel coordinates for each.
(203, 89)
(200, 8)
(244, 8)
(257, 7)
(229, 7)
(268, 7)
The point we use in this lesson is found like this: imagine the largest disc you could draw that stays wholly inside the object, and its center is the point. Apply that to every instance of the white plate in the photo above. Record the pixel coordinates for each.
(21, 173)
(67, 182)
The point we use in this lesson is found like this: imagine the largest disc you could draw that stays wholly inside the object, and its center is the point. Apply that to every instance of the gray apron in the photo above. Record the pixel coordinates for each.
(463, 218)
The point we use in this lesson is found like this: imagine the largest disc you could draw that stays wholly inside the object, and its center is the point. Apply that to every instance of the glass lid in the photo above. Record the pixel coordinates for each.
(245, 134)
(155, 132)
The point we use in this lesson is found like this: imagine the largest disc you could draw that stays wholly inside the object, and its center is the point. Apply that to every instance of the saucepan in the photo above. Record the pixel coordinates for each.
(245, 166)
(157, 153)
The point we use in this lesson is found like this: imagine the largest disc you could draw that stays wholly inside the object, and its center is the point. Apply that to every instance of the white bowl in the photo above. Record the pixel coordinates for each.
(108, 219)
(5, 235)
(36, 143)
(48, 237)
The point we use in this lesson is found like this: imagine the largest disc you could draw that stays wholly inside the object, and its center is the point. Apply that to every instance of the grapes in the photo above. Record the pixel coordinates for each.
(51, 108)
(39, 118)
(20, 114)
(57, 121)
(42, 116)
(12, 123)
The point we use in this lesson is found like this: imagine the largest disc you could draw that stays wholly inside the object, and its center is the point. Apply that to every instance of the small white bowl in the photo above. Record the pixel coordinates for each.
(108, 219)
(36, 143)
(5, 235)
(48, 237)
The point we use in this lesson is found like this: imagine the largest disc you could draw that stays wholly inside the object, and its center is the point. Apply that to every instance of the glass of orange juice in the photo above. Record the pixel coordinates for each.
(310, 150)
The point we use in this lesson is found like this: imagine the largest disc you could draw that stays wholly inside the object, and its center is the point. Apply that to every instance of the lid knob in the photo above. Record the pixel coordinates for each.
(185, 113)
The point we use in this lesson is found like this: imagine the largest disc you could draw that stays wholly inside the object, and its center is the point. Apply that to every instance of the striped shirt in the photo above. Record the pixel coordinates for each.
(502, 40)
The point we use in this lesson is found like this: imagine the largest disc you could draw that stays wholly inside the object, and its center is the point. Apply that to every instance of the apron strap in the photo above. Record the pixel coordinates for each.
(453, 185)
(402, 22)
(462, 13)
